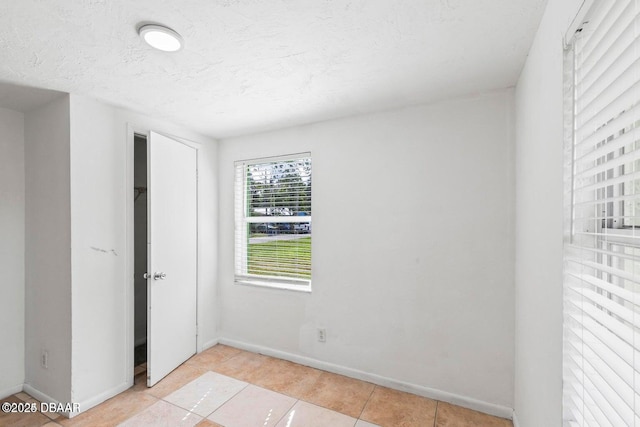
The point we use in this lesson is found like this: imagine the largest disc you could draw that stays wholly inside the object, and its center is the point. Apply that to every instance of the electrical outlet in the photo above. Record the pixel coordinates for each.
(322, 335)
(44, 359)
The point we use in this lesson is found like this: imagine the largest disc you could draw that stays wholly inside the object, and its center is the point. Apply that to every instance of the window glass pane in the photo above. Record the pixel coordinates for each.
(273, 222)
(280, 230)
(279, 188)
(281, 249)
(632, 186)
(601, 363)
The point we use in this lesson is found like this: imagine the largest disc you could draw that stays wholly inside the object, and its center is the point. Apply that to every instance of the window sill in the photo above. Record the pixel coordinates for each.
(300, 286)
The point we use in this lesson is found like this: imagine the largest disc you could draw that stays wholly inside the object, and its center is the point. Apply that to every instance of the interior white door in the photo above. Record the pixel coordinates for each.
(172, 254)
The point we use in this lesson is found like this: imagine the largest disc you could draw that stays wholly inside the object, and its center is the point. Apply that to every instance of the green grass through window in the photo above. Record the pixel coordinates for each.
(283, 258)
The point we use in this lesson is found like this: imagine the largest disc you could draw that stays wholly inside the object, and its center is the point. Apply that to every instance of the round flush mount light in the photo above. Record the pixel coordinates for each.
(161, 37)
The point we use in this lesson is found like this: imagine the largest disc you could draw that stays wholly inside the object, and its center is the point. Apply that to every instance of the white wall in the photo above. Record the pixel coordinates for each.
(99, 191)
(12, 250)
(48, 250)
(539, 214)
(412, 247)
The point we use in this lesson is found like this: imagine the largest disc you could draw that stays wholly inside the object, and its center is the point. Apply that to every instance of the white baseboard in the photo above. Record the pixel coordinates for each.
(209, 344)
(98, 399)
(38, 395)
(84, 406)
(6, 392)
(466, 402)
(515, 420)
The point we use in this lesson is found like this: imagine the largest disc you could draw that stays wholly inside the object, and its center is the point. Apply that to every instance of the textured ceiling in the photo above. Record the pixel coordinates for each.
(252, 65)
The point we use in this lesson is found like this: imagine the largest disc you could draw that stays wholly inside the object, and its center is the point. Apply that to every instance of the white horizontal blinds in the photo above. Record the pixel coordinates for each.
(273, 220)
(281, 188)
(602, 255)
(240, 226)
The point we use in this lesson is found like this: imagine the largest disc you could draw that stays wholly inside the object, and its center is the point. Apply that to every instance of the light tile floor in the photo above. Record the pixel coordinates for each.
(227, 387)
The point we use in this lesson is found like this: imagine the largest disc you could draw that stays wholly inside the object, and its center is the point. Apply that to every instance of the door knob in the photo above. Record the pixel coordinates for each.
(159, 275)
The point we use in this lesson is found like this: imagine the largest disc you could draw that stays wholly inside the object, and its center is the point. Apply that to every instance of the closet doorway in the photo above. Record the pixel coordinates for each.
(164, 244)
(140, 252)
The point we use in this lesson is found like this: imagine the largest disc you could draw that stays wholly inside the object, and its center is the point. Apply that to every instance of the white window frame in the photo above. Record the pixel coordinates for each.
(242, 220)
(601, 353)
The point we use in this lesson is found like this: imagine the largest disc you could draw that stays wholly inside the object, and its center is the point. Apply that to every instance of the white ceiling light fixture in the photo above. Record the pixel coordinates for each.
(161, 37)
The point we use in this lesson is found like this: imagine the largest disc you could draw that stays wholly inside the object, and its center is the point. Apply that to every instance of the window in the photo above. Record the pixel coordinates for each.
(602, 228)
(273, 222)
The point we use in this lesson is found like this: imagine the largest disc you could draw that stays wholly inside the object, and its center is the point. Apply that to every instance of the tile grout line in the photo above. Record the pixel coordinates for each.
(221, 405)
(290, 395)
(229, 399)
(212, 369)
(260, 387)
(328, 408)
(297, 399)
(37, 402)
(435, 416)
(172, 404)
(287, 411)
(367, 402)
(231, 357)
